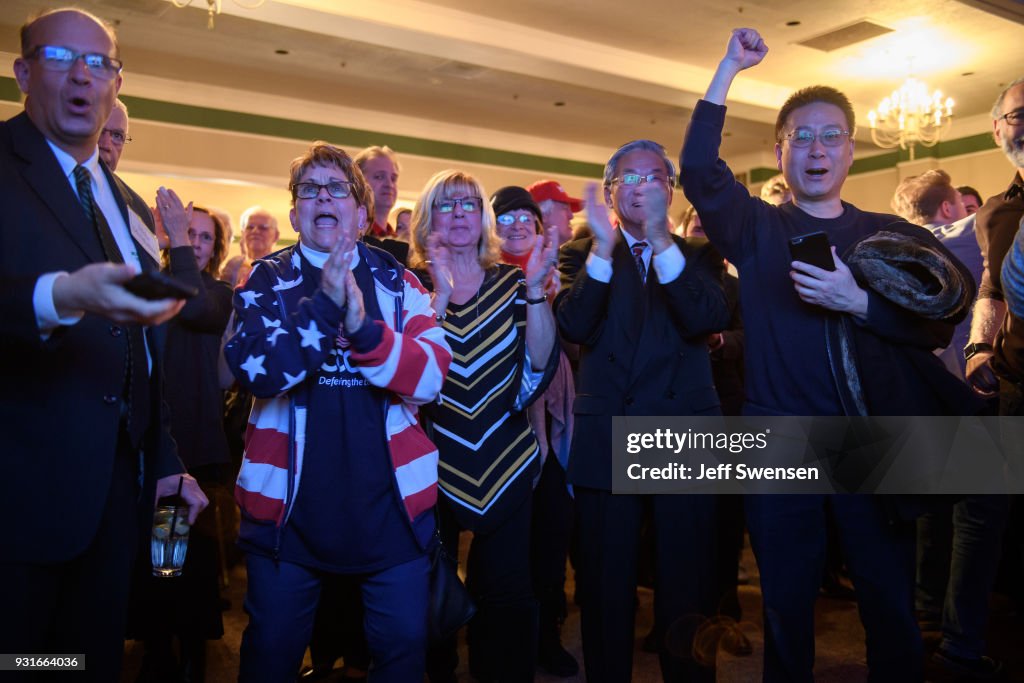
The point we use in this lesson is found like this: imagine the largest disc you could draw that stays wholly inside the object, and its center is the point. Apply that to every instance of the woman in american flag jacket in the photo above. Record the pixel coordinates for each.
(338, 344)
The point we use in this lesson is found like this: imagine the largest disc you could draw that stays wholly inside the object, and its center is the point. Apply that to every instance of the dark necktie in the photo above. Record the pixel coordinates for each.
(136, 379)
(638, 256)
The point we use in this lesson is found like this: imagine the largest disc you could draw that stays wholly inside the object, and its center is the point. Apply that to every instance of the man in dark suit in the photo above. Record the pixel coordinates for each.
(80, 373)
(640, 302)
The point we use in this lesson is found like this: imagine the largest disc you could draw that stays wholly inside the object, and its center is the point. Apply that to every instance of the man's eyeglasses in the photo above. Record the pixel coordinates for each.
(58, 58)
(508, 219)
(1014, 118)
(833, 137)
(337, 189)
(637, 179)
(203, 236)
(118, 137)
(468, 204)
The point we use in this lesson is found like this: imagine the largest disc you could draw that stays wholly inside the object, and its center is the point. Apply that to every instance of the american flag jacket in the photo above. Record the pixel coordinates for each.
(282, 337)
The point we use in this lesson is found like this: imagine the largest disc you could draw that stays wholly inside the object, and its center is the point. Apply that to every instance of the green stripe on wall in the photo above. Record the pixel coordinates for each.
(761, 174)
(973, 143)
(875, 163)
(9, 90)
(219, 119)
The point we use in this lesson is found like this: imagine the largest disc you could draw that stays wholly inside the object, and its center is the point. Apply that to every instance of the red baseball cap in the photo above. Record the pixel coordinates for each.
(550, 189)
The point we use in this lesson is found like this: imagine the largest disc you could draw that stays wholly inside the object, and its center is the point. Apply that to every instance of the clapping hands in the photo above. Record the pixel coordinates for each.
(174, 216)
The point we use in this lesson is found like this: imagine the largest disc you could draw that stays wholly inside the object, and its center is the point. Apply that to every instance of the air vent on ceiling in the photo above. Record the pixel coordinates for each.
(1007, 9)
(845, 36)
(460, 70)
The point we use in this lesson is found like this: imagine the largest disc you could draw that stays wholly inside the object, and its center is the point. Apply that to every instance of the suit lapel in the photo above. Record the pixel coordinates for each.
(44, 175)
(126, 199)
(630, 290)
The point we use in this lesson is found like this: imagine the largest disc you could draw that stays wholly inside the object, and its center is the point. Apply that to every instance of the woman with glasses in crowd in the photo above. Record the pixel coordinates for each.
(189, 607)
(502, 335)
(337, 342)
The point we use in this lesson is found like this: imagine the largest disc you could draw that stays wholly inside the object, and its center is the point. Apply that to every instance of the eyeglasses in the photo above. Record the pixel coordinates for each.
(508, 219)
(468, 204)
(338, 189)
(833, 137)
(57, 58)
(262, 227)
(118, 137)
(637, 179)
(1014, 118)
(203, 236)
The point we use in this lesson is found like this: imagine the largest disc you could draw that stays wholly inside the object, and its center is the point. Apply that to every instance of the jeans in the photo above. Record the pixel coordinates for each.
(970, 563)
(281, 603)
(787, 533)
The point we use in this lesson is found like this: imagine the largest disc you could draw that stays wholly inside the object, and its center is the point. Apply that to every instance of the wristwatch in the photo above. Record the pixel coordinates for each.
(975, 348)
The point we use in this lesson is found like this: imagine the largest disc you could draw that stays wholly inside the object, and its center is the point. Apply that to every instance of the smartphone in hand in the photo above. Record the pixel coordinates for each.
(812, 248)
(154, 285)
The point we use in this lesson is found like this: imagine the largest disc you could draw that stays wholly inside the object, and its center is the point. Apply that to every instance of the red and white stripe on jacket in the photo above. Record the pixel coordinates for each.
(411, 364)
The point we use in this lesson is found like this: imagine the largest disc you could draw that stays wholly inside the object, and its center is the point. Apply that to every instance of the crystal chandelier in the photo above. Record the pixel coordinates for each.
(911, 116)
(213, 7)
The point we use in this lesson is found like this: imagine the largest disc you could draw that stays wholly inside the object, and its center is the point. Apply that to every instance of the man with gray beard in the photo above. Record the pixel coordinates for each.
(995, 352)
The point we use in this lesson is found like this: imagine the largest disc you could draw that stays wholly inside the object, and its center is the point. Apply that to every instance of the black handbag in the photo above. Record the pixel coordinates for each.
(450, 605)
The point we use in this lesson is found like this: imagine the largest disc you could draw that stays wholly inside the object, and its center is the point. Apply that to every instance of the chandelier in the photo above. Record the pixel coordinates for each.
(911, 116)
(213, 7)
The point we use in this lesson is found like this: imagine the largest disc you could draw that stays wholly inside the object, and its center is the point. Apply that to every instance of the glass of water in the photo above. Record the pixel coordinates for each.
(169, 541)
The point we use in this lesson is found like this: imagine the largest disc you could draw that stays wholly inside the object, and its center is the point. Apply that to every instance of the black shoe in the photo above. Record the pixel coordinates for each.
(980, 669)
(193, 661)
(315, 673)
(556, 660)
(837, 590)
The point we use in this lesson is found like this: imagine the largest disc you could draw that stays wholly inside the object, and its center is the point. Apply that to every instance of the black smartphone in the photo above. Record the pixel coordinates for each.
(155, 285)
(812, 248)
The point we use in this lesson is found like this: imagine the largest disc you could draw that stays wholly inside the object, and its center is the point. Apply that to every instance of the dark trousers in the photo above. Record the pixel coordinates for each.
(281, 603)
(787, 533)
(958, 551)
(685, 591)
(338, 629)
(730, 527)
(502, 637)
(551, 530)
(79, 606)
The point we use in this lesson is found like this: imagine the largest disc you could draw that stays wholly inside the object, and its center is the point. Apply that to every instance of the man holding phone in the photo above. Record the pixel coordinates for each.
(83, 419)
(793, 314)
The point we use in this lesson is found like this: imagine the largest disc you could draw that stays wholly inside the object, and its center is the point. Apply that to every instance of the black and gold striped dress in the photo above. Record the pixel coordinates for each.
(488, 453)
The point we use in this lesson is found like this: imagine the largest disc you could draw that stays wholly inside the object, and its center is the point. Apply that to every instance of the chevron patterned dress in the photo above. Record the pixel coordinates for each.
(488, 453)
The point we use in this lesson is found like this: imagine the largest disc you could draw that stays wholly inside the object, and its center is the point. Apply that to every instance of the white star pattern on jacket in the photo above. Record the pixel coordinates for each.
(290, 380)
(253, 365)
(249, 297)
(311, 336)
(275, 334)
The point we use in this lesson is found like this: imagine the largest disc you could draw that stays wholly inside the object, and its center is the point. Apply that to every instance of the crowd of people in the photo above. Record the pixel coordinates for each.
(405, 375)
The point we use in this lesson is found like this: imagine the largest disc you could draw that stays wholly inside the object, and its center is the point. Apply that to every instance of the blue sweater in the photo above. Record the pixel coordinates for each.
(788, 366)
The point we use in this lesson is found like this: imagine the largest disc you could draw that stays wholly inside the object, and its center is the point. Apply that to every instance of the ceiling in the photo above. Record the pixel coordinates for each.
(568, 79)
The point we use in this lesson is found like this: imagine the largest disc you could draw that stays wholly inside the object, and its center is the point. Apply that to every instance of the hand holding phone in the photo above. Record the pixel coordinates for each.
(154, 285)
(812, 248)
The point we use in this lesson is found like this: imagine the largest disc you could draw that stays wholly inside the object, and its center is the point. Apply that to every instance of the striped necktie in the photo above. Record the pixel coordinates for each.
(136, 373)
(638, 256)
